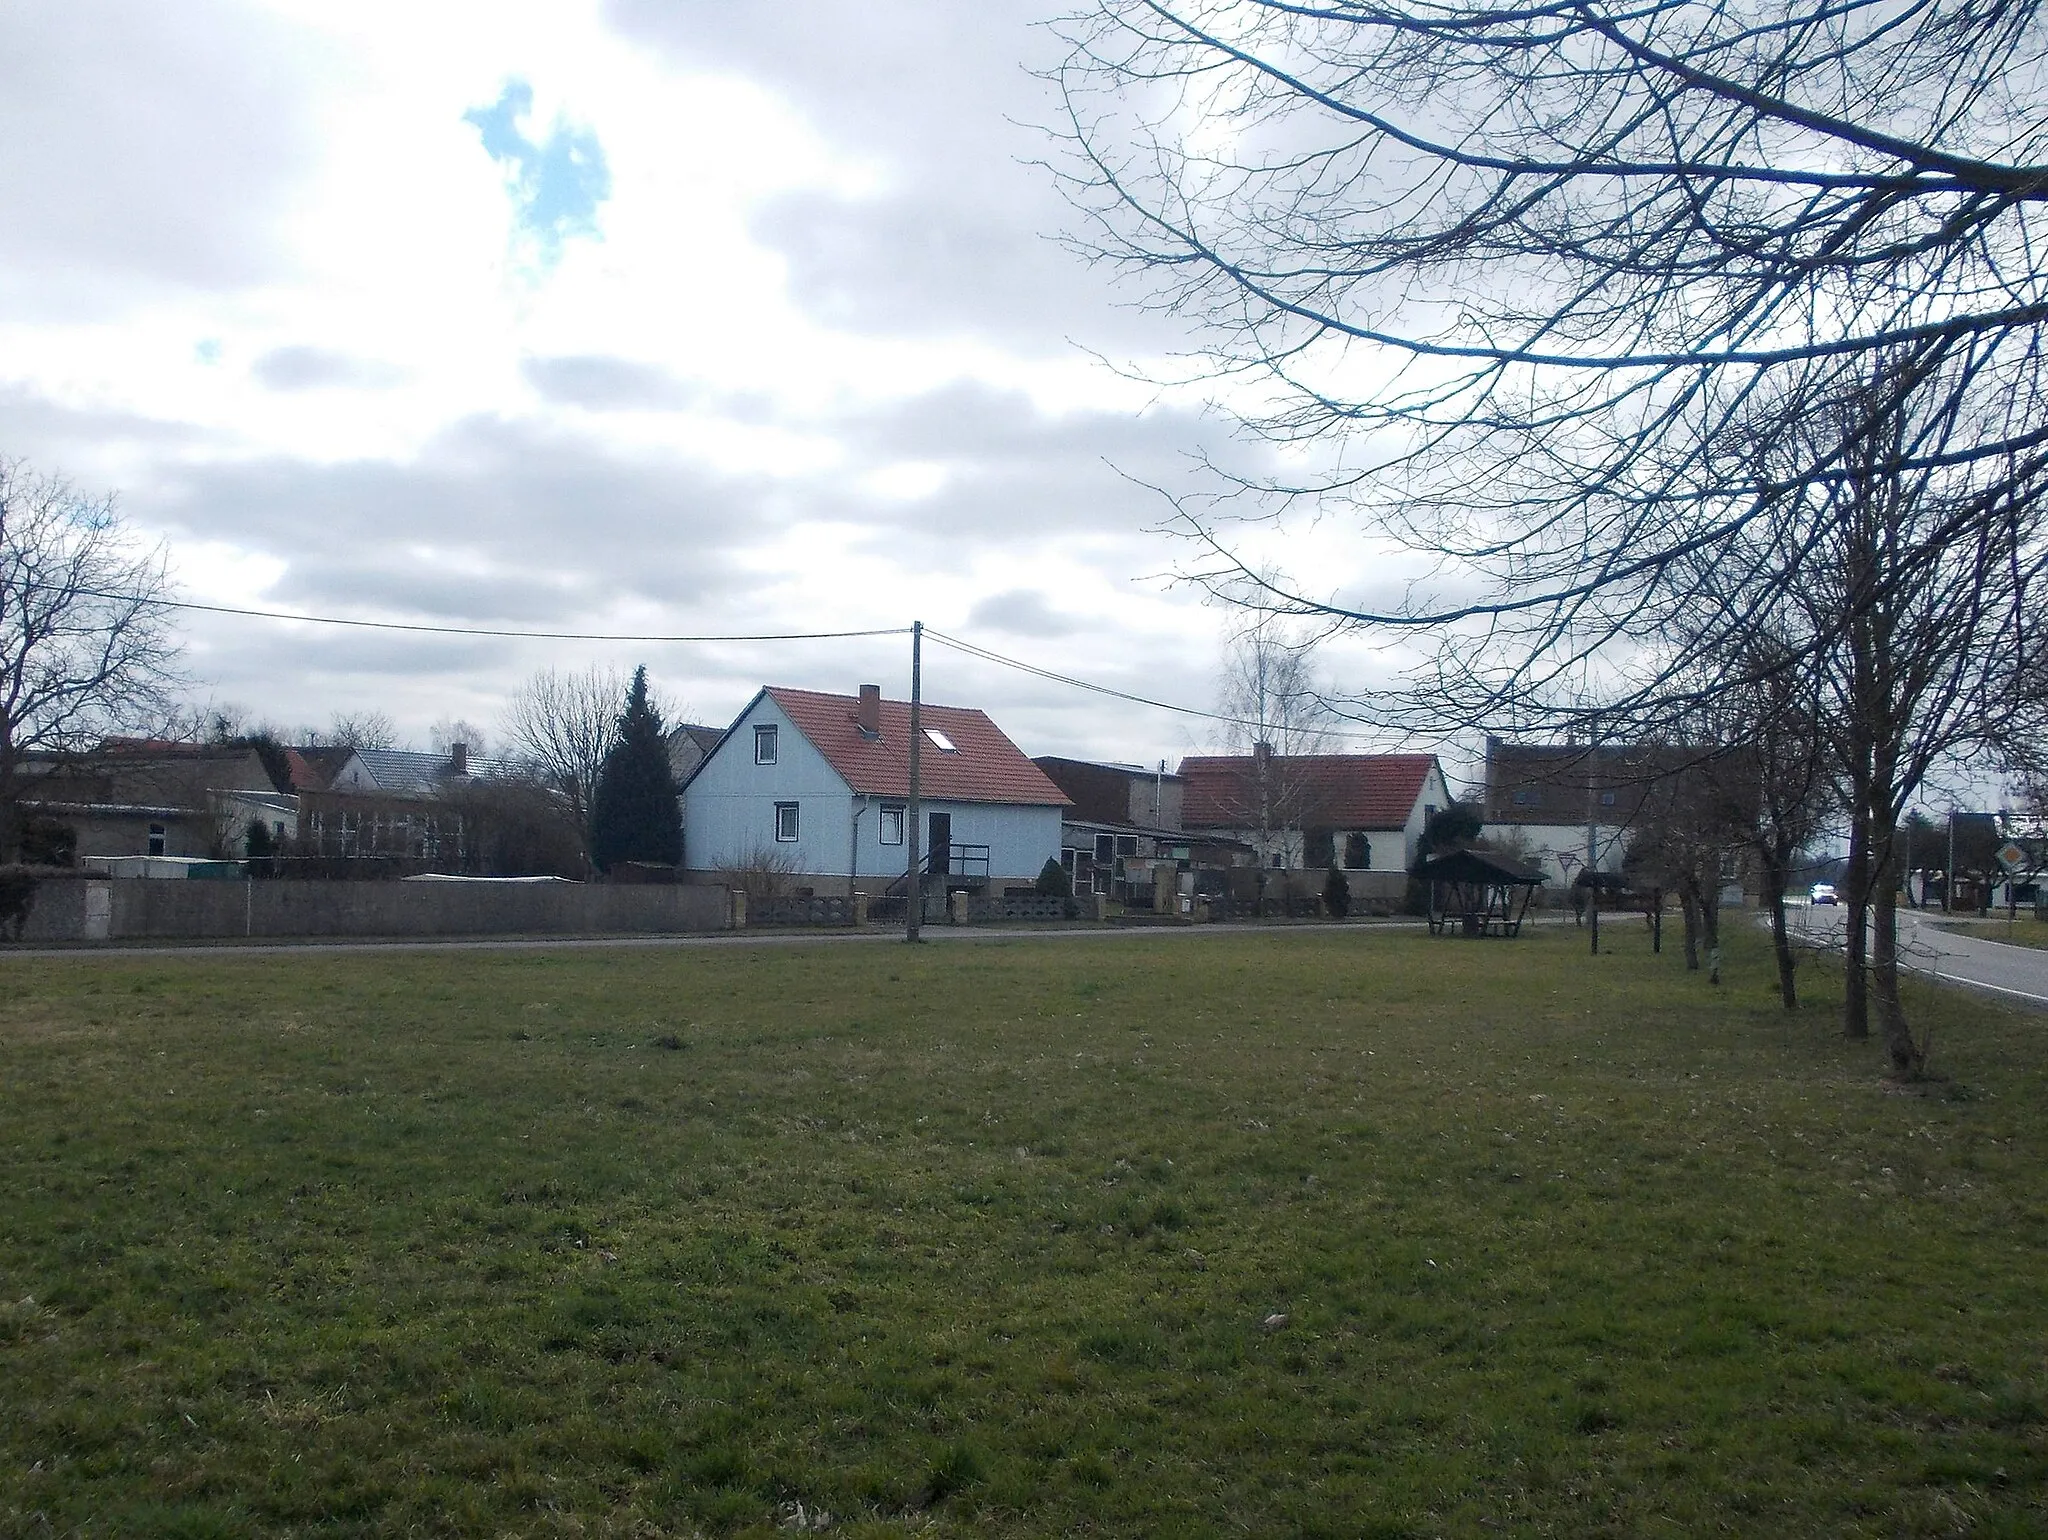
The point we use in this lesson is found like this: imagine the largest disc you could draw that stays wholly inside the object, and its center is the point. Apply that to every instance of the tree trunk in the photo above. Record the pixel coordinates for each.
(1774, 873)
(1689, 906)
(1856, 912)
(1710, 925)
(1907, 1060)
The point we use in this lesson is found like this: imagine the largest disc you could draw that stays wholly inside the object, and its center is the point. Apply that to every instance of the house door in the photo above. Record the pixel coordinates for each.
(941, 843)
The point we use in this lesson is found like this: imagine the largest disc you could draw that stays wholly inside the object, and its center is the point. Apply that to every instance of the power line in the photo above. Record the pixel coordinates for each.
(973, 651)
(957, 644)
(538, 636)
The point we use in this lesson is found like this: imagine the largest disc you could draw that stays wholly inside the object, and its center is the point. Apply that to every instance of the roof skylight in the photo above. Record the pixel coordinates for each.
(940, 741)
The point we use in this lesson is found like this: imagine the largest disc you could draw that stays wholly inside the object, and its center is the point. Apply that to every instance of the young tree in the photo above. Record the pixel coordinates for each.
(86, 645)
(1772, 715)
(1053, 881)
(1277, 716)
(564, 725)
(1693, 819)
(259, 846)
(634, 813)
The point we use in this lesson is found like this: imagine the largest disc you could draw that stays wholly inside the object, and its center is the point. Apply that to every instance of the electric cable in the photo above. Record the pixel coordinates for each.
(538, 636)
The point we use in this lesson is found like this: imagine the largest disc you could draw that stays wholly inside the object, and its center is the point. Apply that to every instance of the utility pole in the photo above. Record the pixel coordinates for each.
(913, 812)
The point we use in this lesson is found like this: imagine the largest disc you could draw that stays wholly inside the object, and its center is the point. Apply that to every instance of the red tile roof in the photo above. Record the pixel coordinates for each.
(1334, 791)
(314, 769)
(987, 768)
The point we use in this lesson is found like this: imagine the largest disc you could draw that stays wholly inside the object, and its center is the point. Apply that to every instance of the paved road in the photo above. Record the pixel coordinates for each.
(2015, 972)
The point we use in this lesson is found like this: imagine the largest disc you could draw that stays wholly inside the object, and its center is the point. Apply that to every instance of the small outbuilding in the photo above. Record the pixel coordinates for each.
(1477, 893)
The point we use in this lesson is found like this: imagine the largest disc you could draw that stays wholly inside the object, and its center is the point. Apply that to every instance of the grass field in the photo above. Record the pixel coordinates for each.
(2020, 930)
(1349, 1234)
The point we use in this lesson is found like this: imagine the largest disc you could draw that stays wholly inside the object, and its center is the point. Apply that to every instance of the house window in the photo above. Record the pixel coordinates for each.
(785, 821)
(940, 741)
(1127, 844)
(1105, 847)
(892, 826)
(1607, 799)
(1357, 852)
(348, 834)
(1525, 796)
(766, 741)
(157, 835)
(1279, 860)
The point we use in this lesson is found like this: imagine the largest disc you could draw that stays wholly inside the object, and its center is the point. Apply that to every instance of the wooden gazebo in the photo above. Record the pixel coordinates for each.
(1477, 893)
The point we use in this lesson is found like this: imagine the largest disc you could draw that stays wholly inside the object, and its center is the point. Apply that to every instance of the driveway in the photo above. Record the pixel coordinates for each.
(2016, 972)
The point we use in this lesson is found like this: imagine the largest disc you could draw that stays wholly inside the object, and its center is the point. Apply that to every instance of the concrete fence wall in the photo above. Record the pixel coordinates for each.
(76, 910)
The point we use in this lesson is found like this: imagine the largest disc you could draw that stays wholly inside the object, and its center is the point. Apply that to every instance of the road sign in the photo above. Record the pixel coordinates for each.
(2011, 857)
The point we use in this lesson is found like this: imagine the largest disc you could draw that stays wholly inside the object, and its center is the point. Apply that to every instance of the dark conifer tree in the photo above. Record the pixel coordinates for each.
(634, 815)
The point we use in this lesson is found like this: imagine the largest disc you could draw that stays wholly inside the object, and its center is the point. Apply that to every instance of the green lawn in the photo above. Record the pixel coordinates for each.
(2019, 930)
(1329, 1233)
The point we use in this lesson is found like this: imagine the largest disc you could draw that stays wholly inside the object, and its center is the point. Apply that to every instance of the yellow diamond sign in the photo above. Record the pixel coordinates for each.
(2011, 857)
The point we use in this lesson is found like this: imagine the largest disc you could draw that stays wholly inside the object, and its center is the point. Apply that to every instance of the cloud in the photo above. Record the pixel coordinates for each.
(1012, 476)
(144, 142)
(601, 384)
(1021, 612)
(309, 368)
(557, 184)
(955, 237)
(497, 520)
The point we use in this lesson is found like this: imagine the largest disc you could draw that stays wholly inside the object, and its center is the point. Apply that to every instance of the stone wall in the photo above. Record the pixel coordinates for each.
(144, 910)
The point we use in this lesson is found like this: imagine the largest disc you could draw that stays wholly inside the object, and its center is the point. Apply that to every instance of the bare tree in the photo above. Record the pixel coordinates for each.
(1694, 819)
(1276, 715)
(1534, 276)
(564, 724)
(1526, 272)
(1773, 714)
(86, 644)
(358, 730)
(449, 731)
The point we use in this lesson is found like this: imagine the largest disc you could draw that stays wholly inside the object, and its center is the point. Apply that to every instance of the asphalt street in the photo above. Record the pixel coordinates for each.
(2015, 972)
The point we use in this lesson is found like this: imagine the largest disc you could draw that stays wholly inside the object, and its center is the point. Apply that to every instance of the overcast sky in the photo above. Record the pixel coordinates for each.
(649, 316)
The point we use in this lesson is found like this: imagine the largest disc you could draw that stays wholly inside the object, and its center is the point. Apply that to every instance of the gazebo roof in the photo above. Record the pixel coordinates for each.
(1478, 866)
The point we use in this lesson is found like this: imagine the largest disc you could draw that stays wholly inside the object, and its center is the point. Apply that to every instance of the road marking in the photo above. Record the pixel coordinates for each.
(1996, 989)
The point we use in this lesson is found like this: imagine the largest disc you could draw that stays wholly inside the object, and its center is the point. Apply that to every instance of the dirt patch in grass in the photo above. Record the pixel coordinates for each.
(1338, 1233)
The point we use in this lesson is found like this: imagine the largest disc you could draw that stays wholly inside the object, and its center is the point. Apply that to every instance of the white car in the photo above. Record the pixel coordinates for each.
(1823, 893)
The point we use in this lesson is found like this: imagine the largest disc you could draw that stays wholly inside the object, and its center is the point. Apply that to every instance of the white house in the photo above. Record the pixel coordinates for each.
(1363, 812)
(815, 786)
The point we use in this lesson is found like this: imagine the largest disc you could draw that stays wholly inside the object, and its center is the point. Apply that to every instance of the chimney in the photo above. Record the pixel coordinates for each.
(460, 754)
(869, 716)
(1262, 755)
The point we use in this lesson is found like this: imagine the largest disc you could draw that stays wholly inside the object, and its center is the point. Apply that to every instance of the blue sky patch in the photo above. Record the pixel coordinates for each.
(556, 184)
